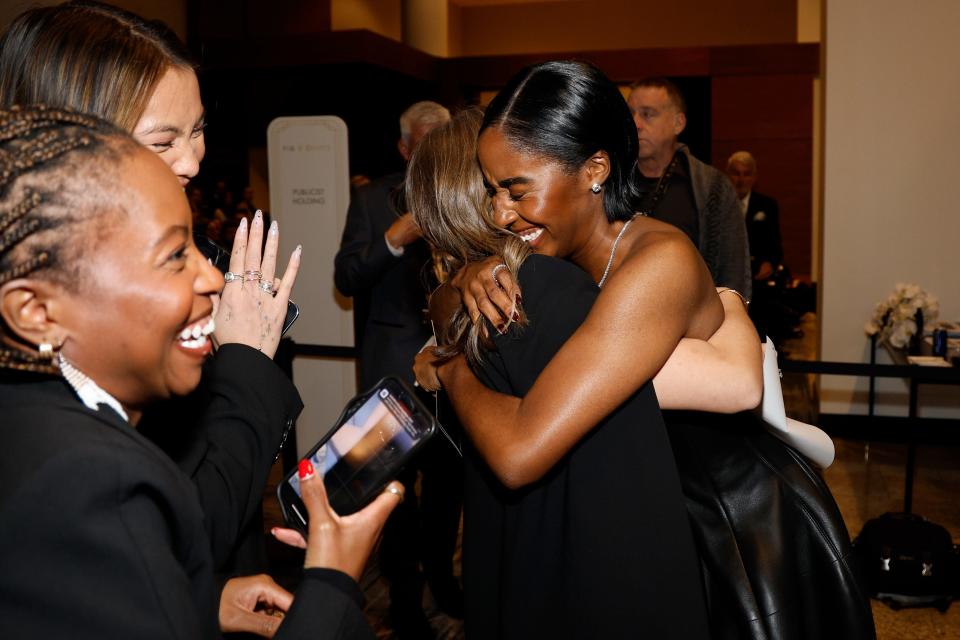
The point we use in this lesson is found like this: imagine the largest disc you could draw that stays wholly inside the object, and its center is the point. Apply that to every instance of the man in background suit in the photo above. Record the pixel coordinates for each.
(683, 191)
(769, 311)
(384, 263)
(761, 214)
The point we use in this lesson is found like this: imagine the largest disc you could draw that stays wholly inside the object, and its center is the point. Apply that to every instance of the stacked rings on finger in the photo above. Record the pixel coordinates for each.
(266, 287)
(497, 270)
(230, 276)
(252, 276)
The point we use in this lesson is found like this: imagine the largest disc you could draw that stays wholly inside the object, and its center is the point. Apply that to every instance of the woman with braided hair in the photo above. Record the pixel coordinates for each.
(135, 73)
(101, 535)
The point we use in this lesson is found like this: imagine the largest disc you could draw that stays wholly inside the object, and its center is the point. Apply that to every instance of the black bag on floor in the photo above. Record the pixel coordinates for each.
(908, 561)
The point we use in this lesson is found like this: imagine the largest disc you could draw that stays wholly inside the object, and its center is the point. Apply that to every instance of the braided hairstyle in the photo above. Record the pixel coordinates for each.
(56, 168)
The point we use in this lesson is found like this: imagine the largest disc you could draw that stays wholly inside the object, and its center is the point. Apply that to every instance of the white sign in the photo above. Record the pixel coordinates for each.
(309, 195)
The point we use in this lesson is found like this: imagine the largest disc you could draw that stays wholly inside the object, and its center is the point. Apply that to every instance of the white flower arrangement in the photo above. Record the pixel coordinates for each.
(894, 319)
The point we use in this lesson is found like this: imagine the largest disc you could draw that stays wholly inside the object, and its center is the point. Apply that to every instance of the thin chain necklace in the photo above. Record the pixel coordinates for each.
(613, 252)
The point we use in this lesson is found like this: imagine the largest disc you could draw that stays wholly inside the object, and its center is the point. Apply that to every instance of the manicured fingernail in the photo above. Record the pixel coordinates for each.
(501, 328)
(274, 228)
(516, 316)
(243, 224)
(273, 531)
(298, 250)
(258, 216)
(305, 470)
(519, 299)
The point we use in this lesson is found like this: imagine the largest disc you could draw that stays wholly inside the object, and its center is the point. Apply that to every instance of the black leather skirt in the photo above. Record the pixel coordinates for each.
(776, 557)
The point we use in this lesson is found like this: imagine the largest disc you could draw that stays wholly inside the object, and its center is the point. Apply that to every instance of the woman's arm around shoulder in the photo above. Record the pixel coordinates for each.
(723, 374)
(645, 308)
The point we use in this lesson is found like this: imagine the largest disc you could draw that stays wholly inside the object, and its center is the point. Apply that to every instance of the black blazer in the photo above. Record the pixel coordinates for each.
(102, 536)
(763, 231)
(225, 437)
(390, 289)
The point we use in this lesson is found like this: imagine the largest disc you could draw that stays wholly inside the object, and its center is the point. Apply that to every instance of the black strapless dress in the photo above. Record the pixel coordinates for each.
(600, 547)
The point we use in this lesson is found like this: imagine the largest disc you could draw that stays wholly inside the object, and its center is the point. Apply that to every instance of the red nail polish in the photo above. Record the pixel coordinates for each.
(305, 469)
(501, 328)
(516, 316)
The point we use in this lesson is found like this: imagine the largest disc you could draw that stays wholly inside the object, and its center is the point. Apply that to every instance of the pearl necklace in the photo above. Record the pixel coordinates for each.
(613, 252)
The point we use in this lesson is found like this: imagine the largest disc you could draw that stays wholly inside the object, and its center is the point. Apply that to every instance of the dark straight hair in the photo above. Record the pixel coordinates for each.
(566, 111)
(89, 57)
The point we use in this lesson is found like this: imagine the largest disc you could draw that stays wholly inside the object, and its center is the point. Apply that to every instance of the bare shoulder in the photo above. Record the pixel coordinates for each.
(661, 246)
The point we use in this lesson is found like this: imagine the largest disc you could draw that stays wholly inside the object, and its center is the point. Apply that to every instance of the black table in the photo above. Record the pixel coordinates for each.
(920, 375)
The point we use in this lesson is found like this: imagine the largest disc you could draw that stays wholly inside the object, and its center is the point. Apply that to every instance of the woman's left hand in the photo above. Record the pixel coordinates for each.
(240, 599)
(253, 306)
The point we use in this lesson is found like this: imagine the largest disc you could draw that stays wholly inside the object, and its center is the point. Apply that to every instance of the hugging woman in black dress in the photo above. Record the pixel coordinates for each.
(557, 151)
(106, 308)
(598, 544)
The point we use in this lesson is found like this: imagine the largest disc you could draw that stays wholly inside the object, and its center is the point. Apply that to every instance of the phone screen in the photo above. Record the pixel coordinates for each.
(364, 450)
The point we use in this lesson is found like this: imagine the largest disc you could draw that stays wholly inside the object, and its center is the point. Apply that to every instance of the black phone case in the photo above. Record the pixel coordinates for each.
(388, 473)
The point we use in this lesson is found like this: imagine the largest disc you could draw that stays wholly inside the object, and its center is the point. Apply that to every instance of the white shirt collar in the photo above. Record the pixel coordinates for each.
(745, 203)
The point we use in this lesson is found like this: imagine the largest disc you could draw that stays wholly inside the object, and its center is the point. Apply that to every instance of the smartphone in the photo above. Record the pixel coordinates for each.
(375, 437)
(220, 258)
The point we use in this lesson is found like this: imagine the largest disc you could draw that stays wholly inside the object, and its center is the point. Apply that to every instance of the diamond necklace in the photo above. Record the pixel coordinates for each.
(613, 252)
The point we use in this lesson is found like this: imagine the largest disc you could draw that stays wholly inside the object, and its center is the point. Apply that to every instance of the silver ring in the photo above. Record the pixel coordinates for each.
(395, 490)
(266, 287)
(252, 276)
(497, 269)
(230, 276)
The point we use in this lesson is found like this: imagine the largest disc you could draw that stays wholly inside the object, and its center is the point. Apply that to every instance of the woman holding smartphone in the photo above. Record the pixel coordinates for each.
(135, 73)
(558, 154)
(101, 535)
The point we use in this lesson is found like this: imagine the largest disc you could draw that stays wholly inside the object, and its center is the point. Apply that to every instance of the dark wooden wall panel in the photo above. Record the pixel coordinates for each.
(772, 117)
(759, 98)
(246, 18)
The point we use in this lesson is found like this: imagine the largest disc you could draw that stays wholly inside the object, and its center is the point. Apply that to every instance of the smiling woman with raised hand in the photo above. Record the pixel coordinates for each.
(96, 58)
(100, 534)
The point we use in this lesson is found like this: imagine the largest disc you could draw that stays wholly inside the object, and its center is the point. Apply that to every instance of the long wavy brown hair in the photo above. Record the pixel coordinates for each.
(449, 202)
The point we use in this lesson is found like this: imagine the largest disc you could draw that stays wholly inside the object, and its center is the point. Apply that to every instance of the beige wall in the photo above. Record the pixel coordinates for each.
(624, 24)
(173, 12)
(892, 92)
(809, 22)
(379, 16)
(425, 26)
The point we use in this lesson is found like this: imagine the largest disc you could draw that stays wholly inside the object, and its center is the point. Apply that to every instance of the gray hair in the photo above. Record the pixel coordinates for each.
(422, 113)
(743, 157)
